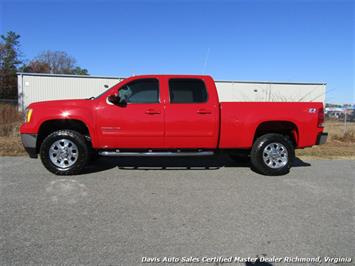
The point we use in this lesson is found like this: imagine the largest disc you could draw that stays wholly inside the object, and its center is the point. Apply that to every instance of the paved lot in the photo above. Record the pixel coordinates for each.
(116, 215)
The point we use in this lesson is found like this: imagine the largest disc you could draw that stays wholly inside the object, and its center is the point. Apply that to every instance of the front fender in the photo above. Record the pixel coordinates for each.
(46, 113)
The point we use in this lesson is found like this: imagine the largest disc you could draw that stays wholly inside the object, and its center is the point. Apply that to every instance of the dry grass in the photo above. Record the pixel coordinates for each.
(10, 120)
(340, 144)
(11, 146)
(348, 136)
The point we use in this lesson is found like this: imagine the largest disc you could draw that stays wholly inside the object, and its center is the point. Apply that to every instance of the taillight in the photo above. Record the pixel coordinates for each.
(321, 117)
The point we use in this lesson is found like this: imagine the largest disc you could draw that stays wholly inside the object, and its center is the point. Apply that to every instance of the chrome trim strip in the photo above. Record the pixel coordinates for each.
(161, 153)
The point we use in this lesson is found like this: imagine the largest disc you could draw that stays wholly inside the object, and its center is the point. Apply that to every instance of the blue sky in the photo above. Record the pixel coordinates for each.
(230, 40)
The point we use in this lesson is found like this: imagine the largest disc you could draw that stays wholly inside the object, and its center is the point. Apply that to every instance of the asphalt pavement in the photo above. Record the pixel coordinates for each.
(129, 210)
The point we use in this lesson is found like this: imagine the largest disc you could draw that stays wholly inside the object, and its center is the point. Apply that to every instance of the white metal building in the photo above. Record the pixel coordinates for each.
(33, 87)
(41, 87)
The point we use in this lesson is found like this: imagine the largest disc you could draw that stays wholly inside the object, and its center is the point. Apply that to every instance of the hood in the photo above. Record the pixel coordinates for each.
(61, 103)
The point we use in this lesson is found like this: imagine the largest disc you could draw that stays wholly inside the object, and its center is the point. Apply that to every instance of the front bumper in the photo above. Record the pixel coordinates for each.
(29, 141)
(322, 138)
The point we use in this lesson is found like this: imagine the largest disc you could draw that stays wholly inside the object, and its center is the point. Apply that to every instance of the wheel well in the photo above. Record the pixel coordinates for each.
(50, 126)
(286, 128)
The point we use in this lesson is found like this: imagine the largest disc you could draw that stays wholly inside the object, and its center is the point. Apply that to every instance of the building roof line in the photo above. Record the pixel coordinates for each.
(272, 82)
(65, 75)
(220, 81)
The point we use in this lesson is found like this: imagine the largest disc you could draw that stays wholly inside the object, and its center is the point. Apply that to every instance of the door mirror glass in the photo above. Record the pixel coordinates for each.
(113, 99)
(117, 100)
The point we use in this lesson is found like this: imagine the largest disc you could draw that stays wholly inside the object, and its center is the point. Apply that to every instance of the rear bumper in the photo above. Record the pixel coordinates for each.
(29, 141)
(322, 138)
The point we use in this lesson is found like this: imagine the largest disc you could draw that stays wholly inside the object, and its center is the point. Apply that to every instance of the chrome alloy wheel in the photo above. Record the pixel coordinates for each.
(275, 155)
(63, 153)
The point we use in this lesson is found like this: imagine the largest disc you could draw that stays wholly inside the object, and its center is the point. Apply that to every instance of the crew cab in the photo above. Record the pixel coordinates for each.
(169, 115)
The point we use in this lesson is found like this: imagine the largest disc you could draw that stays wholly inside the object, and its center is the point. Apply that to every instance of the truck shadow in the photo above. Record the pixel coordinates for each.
(173, 163)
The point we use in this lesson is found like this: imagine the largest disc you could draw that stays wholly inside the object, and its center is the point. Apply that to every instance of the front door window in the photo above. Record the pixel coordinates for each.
(140, 91)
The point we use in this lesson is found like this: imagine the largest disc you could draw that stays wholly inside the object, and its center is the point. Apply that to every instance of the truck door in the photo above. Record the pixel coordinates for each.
(191, 114)
(139, 124)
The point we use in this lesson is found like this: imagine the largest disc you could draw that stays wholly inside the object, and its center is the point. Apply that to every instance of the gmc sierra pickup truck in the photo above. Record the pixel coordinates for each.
(169, 115)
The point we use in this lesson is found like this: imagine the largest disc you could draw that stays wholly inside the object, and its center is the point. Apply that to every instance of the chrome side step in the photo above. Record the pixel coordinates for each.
(157, 153)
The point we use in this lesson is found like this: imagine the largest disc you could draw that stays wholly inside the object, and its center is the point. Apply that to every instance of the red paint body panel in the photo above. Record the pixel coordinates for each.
(132, 126)
(192, 125)
(82, 110)
(239, 121)
(209, 125)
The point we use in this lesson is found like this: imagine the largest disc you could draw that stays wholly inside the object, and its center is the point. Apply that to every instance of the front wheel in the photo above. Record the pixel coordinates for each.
(272, 154)
(64, 152)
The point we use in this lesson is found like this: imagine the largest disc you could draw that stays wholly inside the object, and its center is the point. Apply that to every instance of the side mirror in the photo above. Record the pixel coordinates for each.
(116, 100)
(113, 99)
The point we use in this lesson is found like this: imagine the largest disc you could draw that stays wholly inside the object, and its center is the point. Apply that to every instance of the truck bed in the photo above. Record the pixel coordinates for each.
(239, 121)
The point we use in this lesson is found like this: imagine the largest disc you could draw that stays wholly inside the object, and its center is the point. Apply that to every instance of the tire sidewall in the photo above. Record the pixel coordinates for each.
(258, 149)
(77, 139)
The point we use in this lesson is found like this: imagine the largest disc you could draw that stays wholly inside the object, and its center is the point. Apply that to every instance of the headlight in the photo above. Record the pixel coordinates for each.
(28, 115)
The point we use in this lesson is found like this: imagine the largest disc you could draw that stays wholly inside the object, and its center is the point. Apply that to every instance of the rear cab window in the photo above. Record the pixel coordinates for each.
(188, 90)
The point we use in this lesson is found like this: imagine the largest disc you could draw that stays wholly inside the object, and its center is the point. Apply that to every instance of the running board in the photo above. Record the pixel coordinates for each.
(157, 153)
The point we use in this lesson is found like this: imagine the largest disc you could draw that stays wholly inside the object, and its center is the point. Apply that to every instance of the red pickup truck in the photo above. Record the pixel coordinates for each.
(169, 115)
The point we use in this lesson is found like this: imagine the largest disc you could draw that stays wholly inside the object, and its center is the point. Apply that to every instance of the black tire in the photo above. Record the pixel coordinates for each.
(74, 137)
(257, 161)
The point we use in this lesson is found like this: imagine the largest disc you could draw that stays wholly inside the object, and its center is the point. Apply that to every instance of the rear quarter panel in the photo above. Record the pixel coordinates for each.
(239, 121)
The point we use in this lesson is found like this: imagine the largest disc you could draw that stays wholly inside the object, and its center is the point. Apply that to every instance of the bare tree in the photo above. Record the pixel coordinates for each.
(54, 62)
(35, 66)
(59, 62)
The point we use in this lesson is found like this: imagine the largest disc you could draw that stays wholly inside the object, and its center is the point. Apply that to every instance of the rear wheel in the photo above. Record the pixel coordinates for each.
(272, 154)
(64, 152)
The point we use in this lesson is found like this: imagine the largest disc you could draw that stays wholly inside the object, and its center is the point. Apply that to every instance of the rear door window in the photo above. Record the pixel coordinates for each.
(187, 91)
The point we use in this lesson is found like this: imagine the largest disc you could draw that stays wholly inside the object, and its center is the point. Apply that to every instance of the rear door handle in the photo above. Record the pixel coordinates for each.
(152, 112)
(203, 111)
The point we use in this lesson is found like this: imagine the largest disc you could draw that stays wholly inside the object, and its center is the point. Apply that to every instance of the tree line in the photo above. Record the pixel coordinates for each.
(11, 62)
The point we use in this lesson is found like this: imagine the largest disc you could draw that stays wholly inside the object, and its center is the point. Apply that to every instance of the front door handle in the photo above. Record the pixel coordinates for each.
(152, 112)
(203, 111)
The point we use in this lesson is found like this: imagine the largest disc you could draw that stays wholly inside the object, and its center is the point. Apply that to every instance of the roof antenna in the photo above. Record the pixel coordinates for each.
(206, 60)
